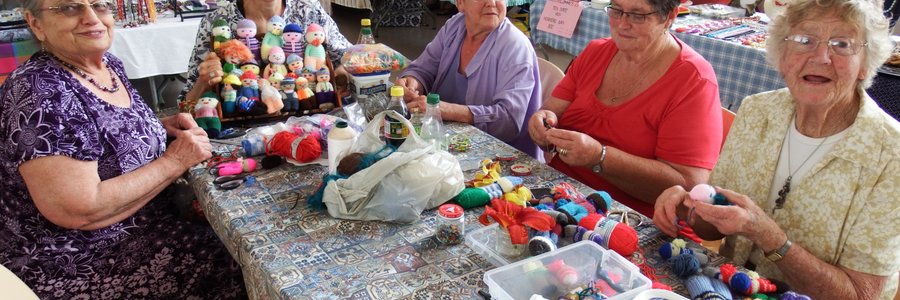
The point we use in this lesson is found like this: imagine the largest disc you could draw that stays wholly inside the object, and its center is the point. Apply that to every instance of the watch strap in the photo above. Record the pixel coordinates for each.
(778, 254)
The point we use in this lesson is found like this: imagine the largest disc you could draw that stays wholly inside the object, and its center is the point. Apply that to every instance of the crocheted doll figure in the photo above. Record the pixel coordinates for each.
(233, 53)
(292, 36)
(229, 95)
(303, 90)
(272, 37)
(324, 90)
(294, 64)
(314, 57)
(276, 63)
(251, 66)
(248, 94)
(221, 33)
(246, 33)
(309, 102)
(206, 116)
(270, 98)
(289, 94)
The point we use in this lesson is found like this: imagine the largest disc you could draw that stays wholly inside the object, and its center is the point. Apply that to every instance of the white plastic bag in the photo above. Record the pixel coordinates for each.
(398, 187)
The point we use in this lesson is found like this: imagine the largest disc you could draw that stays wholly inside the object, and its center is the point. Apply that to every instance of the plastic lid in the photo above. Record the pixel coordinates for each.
(450, 210)
(341, 124)
(396, 91)
(365, 22)
(367, 30)
(433, 98)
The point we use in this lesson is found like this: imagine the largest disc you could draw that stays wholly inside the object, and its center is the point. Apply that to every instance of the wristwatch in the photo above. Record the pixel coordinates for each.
(598, 168)
(778, 254)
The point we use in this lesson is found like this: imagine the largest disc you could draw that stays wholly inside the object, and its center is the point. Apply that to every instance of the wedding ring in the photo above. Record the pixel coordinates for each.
(212, 74)
(563, 151)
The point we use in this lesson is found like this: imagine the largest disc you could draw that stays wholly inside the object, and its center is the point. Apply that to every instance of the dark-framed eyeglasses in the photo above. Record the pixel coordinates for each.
(841, 46)
(636, 18)
(101, 8)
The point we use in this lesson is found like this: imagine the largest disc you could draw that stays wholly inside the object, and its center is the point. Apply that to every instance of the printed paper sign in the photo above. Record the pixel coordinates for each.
(560, 17)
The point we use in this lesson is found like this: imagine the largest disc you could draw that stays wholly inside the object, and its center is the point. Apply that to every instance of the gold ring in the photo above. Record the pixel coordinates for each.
(563, 151)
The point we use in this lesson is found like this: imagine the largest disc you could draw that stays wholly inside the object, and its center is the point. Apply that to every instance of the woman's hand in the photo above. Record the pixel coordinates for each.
(178, 122)
(411, 89)
(744, 218)
(667, 207)
(538, 125)
(190, 147)
(574, 148)
(210, 70)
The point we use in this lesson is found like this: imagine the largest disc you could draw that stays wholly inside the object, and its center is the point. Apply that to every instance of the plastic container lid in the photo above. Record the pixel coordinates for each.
(450, 210)
(396, 91)
(365, 22)
(433, 98)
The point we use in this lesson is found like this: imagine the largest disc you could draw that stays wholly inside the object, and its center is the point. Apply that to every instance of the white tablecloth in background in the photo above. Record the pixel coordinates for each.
(156, 49)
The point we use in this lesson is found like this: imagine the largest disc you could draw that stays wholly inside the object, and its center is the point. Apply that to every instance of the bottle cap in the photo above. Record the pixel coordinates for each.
(450, 210)
(367, 30)
(365, 22)
(341, 124)
(396, 91)
(433, 98)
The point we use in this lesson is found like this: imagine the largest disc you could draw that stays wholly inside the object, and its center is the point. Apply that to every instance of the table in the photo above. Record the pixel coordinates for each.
(289, 251)
(161, 48)
(740, 70)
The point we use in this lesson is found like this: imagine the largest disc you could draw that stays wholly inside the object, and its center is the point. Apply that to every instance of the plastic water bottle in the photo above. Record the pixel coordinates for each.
(395, 132)
(340, 139)
(433, 125)
(417, 118)
(365, 34)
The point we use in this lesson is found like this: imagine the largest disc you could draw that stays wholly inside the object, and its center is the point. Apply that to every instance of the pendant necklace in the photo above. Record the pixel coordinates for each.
(115, 83)
(786, 188)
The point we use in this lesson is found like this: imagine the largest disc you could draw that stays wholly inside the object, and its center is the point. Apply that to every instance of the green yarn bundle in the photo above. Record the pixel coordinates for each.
(473, 197)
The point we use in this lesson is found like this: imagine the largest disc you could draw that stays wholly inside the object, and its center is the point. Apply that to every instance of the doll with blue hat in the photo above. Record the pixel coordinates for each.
(289, 94)
(293, 39)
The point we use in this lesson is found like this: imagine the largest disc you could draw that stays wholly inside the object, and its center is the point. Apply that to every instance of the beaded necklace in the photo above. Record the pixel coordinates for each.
(115, 83)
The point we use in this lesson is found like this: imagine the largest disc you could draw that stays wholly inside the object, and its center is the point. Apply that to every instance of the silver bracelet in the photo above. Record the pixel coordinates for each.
(602, 157)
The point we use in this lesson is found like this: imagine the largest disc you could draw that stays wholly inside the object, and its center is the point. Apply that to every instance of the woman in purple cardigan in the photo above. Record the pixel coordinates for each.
(485, 71)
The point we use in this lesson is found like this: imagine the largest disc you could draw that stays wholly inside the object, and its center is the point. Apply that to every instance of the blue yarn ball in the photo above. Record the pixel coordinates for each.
(740, 281)
(684, 265)
(665, 251)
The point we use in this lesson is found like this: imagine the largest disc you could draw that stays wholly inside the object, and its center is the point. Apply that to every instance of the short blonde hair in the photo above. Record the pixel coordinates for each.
(862, 14)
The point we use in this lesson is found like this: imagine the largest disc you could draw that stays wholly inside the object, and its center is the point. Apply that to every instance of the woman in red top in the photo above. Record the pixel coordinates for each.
(637, 112)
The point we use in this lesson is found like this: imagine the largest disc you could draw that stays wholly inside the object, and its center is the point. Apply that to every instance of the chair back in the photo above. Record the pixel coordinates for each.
(727, 119)
(550, 76)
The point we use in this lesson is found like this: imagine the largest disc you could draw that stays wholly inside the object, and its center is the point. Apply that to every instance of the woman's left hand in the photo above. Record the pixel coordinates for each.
(178, 122)
(574, 148)
(744, 218)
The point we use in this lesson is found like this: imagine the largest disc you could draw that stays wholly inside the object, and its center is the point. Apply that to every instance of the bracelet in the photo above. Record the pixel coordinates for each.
(602, 158)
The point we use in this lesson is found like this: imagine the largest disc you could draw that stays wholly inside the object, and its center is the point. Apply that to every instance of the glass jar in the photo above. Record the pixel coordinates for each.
(451, 224)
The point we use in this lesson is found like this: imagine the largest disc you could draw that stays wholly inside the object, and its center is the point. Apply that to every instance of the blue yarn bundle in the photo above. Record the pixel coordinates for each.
(702, 287)
(601, 200)
(572, 210)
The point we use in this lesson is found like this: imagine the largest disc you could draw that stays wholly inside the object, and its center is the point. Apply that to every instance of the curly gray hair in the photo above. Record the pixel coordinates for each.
(863, 14)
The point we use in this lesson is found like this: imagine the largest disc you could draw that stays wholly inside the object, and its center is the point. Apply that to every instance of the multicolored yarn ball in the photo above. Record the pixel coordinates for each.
(564, 274)
(293, 146)
(601, 200)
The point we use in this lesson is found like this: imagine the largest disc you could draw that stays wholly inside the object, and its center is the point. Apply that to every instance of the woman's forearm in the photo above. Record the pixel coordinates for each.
(829, 282)
(646, 178)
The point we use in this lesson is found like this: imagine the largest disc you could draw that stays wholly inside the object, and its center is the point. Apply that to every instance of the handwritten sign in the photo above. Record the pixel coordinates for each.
(560, 17)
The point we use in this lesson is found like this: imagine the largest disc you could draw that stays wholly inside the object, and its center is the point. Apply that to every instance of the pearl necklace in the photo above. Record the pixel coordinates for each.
(115, 83)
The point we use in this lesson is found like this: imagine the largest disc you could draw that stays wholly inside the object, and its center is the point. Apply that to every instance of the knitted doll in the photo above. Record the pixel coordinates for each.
(276, 63)
(292, 37)
(272, 37)
(304, 95)
(310, 102)
(206, 116)
(229, 95)
(246, 33)
(248, 94)
(324, 90)
(270, 98)
(234, 53)
(294, 64)
(221, 33)
(314, 56)
(275, 79)
(289, 94)
(251, 66)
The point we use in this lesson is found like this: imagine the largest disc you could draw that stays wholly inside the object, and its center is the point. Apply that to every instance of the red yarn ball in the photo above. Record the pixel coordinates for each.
(290, 145)
(623, 240)
(590, 221)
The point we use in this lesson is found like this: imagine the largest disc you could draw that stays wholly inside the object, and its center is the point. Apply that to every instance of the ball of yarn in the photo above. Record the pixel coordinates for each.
(602, 201)
(350, 164)
(590, 221)
(684, 265)
(293, 146)
(741, 282)
(472, 197)
(623, 240)
(703, 192)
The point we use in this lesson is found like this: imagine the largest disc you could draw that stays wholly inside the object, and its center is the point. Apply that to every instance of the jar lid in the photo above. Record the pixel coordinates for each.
(450, 211)
(521, 169)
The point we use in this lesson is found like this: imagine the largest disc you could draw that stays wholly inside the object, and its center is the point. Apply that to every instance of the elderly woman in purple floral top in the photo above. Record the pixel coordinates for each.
(84, 162)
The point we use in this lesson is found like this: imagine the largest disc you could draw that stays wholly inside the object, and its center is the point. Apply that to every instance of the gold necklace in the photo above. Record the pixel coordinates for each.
(633, 87)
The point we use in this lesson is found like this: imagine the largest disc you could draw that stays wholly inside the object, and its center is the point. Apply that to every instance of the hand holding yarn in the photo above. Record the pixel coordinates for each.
(706, 193)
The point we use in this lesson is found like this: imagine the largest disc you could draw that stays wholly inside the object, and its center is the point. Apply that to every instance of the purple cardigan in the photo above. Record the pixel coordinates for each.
(503, 79)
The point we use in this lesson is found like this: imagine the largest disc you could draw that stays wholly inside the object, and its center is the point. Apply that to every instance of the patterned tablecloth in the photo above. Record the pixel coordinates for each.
(740, 70)
(289, 251)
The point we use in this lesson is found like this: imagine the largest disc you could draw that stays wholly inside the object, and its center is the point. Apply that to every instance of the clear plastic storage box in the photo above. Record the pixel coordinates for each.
(584, 261)
(484, 241)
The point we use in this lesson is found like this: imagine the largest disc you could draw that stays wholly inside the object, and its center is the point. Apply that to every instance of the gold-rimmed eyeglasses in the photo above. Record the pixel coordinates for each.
(841, 46)
(636, 18)
(101, 8)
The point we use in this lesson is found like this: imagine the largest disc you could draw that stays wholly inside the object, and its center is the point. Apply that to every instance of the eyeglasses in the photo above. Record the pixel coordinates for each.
(101, 8)
(636, 18)
(841, 46)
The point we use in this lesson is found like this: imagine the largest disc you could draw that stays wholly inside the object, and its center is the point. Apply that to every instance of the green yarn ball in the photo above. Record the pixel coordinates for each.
(472, 197)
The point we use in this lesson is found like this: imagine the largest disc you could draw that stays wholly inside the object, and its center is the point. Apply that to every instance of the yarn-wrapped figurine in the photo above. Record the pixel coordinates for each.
(294, 64)
(308, 103)
(289, 94)
(248, 94)
(509, 188)
(276, 63)
(221, 33)
(324, 90)
(273, 36)
(613, 235)
(251, 66)
(270, 97)
(314, 56)
(292, 36)
(234, 53)
(206, 116)
(275, 79)
(246, 33)
(229, 96)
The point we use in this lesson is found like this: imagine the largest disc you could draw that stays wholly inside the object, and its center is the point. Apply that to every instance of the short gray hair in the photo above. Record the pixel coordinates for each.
(863, 14)
(33, 6)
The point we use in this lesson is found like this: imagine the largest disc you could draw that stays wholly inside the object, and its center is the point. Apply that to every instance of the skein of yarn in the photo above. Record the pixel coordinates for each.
(290, 145)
